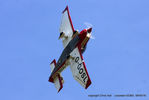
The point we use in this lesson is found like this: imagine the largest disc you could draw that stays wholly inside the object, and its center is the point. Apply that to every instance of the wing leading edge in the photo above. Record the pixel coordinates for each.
(78, 68)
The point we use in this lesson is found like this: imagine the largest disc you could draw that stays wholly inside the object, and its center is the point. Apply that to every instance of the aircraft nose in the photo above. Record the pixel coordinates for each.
(89, 30)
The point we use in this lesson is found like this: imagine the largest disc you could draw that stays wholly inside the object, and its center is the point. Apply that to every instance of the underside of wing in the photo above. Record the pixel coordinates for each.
(66, 26)
(78, 68)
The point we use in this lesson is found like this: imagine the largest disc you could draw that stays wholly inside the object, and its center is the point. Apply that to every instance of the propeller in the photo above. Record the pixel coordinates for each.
(88, 25)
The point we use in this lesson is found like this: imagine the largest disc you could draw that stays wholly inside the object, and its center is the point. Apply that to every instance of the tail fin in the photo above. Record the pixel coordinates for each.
(58, 80)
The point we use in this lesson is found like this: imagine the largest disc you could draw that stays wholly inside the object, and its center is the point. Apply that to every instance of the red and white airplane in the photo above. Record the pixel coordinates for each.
(74, 45)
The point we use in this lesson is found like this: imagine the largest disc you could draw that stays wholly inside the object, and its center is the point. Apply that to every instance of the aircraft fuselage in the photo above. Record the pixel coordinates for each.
(79, 40)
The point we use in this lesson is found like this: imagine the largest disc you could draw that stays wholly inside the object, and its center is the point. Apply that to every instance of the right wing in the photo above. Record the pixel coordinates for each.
(78, 68)
(66, 26)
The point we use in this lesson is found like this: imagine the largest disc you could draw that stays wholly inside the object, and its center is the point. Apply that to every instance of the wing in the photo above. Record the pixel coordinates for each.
(66, 26)
(78, 68)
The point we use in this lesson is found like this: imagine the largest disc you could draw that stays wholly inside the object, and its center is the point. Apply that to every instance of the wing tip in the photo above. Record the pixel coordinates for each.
(65, 9)
(88, 83)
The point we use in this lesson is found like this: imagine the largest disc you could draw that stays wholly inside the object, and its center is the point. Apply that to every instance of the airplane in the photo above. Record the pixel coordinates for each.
(74, 44)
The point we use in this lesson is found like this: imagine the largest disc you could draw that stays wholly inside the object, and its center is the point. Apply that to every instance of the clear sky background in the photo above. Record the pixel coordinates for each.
(117, 59)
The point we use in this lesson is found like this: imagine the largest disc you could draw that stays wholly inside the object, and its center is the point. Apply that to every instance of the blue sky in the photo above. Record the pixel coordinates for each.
(117, 59)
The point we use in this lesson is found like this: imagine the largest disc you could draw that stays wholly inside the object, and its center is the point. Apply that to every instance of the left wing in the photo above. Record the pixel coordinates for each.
(66, 27)
(78, 68)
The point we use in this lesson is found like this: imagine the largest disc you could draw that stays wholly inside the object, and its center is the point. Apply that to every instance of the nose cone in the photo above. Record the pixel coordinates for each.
(89, 30)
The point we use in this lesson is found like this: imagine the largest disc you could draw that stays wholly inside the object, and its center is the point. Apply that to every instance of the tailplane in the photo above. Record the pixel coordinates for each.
(58, 79)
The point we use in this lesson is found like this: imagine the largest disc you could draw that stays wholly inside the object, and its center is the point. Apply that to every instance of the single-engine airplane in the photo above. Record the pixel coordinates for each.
(74, 45)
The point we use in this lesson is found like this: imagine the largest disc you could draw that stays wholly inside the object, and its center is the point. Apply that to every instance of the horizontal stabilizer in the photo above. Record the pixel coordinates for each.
(53, 64)
(57, 80)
